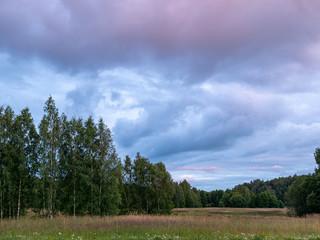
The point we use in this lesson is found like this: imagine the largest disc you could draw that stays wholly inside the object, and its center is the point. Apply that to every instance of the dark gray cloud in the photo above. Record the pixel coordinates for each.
(208, 84)
(183, 39)
(213, 121)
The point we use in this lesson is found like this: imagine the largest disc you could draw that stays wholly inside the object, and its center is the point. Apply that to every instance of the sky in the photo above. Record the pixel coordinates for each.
(221, 91)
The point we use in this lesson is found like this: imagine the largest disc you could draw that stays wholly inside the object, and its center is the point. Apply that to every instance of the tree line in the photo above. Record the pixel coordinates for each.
(239, 197)
(71, 166)
(301, 194)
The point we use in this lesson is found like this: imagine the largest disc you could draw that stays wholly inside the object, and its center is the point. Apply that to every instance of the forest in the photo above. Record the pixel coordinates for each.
(70, 166)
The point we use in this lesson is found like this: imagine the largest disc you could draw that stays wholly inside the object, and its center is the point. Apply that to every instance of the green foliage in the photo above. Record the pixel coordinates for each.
(304, 194)
(239, 197)
(72, 167)
(237, 200)
(54, 171)
(317, 158)
(146, 187)
(191, 195)
(49, 138)
(297, 195)
(277, 186)
(178, 197)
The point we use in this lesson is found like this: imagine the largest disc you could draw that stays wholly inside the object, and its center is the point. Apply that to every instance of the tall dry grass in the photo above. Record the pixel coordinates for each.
(179, 225)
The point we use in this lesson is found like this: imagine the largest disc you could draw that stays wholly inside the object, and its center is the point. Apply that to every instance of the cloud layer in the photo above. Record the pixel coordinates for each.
(223, 83)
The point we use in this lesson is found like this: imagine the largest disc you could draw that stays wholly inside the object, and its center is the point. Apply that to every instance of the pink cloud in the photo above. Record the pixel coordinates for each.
(275, 167)
(106, 32)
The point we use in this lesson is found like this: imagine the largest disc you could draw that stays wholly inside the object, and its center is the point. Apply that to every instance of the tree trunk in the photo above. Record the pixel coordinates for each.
(74, 198)
(51, 178)
(147, 206)
(54, 197)
(19, 197)
(125, 195)
(9, 195)
(20, 182)
(1, 202)
(43, 197)
(74, 185)
(91, 189)
(100, 196)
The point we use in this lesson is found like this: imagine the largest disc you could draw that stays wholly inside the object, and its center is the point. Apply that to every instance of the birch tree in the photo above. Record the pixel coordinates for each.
(25, 141)
(49, 135)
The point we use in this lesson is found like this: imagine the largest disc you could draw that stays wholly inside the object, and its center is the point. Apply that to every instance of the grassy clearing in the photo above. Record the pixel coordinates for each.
(280, 212)
(163, 227)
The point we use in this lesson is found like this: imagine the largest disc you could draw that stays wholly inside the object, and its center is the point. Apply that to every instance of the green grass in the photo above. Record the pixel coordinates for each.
(191, 226)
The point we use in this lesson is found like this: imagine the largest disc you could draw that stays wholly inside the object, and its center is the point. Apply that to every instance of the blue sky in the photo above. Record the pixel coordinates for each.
(221, 91)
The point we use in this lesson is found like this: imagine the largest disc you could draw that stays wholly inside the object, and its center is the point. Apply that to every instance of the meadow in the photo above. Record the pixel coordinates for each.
(211, 223)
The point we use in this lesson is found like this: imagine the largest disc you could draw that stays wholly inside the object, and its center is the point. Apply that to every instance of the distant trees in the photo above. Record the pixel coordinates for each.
(239, 197)
(304, 194)
(276, 186)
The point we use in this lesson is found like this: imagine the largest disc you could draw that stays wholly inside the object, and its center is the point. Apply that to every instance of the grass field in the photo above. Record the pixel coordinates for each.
(224, 223)
(280, 212)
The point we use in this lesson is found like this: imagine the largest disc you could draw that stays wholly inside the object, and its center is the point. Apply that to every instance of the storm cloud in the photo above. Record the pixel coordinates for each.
(221, 91)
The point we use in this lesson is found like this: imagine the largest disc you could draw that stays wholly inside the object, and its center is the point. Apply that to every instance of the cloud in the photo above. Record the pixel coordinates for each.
(189, 178)
(83, 99)
(225, 83)
(205, 169)
(222, 115)
(180, 38)
(275, 167)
